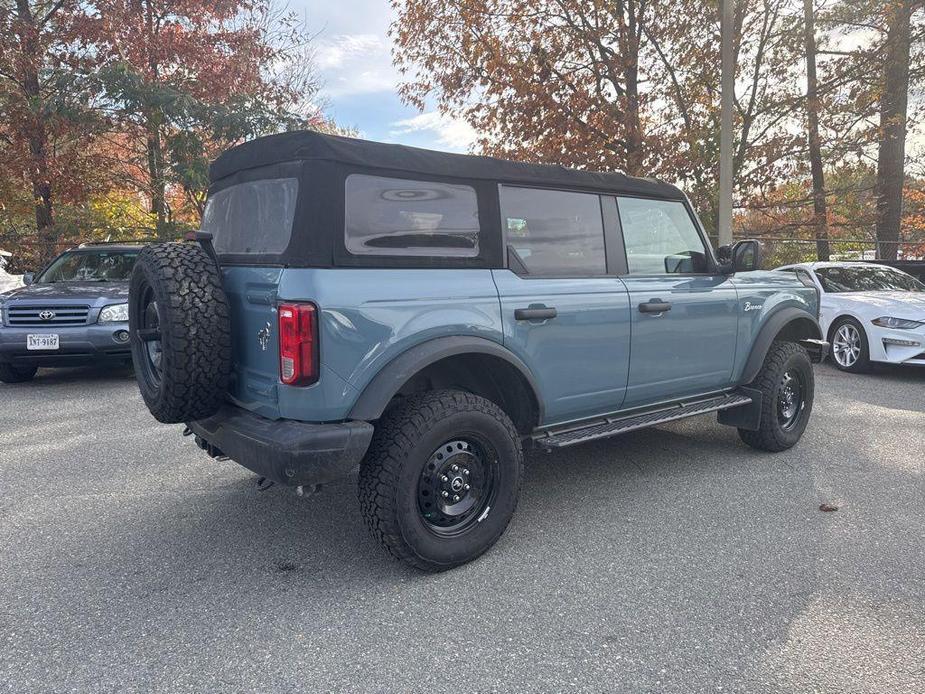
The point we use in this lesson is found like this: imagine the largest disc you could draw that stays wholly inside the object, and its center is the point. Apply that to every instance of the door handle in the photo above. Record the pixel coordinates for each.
(654, 306)
(535, 313)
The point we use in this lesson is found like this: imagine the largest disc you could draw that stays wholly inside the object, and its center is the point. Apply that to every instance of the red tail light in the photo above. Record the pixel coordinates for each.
(298, 344)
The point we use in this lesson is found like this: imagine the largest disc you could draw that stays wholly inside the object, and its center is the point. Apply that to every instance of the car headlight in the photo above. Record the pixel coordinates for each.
(896, 323)
(115, 313)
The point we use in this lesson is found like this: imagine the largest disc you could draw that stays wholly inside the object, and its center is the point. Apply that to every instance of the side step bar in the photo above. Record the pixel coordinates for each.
(611, 426)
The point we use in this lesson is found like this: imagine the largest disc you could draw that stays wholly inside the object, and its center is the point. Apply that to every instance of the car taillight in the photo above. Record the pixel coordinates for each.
(298, 344)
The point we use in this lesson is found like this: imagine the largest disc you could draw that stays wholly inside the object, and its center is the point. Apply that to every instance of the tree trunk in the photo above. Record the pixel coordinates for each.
(37, 135)
(892, 146)
(629, 47)
(820, 223)
(156, 175)
(152, 123)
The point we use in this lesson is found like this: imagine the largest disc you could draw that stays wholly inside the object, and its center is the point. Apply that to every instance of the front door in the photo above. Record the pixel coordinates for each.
(684, 316)
(563, 314)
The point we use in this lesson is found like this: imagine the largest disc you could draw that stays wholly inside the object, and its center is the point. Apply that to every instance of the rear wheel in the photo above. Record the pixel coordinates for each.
(849, 346)
(17, 374)
(441, 479)
(787, 388)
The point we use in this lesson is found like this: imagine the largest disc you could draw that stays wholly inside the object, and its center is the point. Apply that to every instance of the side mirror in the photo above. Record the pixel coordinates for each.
(746, 256)
(28, 278)
(741, 256)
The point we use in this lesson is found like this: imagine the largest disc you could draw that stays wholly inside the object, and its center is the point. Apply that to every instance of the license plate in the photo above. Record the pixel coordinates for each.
(41, 342)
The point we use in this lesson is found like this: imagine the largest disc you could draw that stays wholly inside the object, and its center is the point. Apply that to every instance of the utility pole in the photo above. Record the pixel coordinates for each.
(725, 133)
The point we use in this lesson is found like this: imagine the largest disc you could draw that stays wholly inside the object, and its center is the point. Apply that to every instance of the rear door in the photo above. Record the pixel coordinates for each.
(564, 313)
(684, 313)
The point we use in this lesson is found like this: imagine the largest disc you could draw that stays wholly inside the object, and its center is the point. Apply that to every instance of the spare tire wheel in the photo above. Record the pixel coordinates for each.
(180, 332)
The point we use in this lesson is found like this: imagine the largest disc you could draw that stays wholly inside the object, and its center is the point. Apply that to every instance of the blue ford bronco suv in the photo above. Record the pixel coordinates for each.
(425, 316)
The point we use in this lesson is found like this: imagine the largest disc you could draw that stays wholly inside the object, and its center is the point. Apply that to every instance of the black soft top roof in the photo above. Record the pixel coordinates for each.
(307, 145)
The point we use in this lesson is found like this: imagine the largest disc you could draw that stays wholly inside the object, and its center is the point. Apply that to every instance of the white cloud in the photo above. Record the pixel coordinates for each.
(334, 52)
(450, 132)
(356, 64)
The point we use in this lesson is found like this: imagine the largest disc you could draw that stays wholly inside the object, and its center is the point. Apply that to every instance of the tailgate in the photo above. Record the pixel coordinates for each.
(252, 293)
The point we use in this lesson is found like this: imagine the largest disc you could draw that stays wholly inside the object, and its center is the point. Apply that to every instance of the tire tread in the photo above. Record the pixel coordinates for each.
(394, 437)
(195, 329)
(768, 436)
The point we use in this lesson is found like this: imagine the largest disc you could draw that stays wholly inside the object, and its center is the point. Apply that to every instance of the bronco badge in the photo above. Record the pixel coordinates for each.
(263, 337)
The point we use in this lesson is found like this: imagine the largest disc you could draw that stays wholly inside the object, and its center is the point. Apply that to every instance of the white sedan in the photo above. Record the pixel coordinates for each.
(869, 312)
(7, 281)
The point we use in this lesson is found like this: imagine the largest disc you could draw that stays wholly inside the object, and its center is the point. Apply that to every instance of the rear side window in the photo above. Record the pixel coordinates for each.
(554, 232)
(660, 238)
(253, 217)
(399, 217)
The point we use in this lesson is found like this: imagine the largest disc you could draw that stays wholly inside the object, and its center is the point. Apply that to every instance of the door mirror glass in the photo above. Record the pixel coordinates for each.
(746, 256)
(28, 278)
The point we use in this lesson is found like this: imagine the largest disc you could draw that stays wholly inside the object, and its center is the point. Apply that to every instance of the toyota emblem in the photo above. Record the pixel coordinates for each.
(47, 315)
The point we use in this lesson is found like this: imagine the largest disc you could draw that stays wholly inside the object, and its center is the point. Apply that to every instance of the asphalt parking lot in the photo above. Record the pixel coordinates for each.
(674, 559)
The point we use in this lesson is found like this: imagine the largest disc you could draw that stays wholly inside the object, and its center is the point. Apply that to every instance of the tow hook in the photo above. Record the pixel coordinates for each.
(213, 451)
(307, 489)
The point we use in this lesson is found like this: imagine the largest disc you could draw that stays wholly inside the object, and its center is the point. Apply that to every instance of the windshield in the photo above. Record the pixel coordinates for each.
(865, 279)
(90, 266)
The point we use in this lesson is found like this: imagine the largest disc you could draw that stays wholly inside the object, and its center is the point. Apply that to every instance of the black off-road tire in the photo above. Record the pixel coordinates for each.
(192, 316)
(16, 374)
(772, 436)
(402, 445)
(863, 363)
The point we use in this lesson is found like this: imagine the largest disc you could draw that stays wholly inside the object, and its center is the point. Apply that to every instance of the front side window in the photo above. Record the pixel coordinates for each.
(554, 232)
(252, 218)
(399, 217)
(837, 280)
(90, 266)
(660, 238)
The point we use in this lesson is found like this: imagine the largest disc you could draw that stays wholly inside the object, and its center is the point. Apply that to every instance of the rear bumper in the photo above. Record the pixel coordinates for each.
(284, 451)
(78, 345)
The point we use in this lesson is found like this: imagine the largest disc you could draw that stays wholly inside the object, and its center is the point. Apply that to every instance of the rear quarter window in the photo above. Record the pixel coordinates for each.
(252, 218)
(400, 217)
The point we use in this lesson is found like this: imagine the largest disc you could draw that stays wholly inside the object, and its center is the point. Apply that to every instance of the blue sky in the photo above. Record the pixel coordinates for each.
(353, 57)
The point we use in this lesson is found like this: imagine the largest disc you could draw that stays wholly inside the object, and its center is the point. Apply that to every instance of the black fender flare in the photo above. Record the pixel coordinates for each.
(807, 328)
(382, 388)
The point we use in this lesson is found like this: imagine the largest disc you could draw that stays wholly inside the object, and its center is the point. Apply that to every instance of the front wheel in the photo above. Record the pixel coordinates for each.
(441, 479)
(787, 387)
(850, 351)
(16, 374)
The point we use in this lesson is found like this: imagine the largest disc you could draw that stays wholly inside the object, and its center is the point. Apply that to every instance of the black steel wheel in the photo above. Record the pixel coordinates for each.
(790, 399)
(441, 478)
(457, 485)
(149, 332)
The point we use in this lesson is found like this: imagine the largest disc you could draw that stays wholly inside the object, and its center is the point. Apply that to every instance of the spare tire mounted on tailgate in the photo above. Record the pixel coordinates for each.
(180, 332)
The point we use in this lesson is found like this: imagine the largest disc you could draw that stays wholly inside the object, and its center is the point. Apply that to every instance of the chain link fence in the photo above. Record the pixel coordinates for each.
(782, 250)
